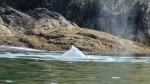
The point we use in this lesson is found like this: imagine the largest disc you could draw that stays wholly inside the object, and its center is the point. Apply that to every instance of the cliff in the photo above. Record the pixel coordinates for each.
(128, 19)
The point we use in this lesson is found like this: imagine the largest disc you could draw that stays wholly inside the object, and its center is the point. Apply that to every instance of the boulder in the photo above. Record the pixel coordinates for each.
(47, 19)
(42, 18)
(15, 19)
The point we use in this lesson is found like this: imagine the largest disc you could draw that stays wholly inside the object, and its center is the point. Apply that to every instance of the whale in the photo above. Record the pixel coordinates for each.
(73, 53)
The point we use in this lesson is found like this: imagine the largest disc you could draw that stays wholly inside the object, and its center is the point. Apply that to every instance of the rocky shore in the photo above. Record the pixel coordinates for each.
(55, 26)
(88, 41)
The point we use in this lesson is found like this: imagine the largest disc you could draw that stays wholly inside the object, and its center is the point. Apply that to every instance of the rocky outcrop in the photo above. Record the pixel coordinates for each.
(89, 41)
(15, 20)
(47, 19)
(4, 30)
(19, 22)
(1, 21)
(127, 19)
(124, 18)
(143, 33)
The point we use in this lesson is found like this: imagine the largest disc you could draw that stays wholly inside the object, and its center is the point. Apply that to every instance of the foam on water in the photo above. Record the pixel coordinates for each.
(74, 54)
(12, 48)
(57, 56)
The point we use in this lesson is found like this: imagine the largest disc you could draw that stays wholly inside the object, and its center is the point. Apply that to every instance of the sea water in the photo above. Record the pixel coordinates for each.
(52, 68)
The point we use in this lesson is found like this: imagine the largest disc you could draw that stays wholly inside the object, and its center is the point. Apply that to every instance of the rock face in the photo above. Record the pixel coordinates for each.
(4, 30)
(124, 18)
(19, 22)
(48, 19)
(14, 19)
(143, 34)
(89, 41)
(127, 19)
(1, 21)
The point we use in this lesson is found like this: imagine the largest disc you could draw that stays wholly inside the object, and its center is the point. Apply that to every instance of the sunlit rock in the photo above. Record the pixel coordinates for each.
(4, 30)
(74, 53)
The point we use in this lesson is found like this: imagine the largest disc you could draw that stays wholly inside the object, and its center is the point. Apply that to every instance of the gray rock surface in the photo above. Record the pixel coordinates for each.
(15, 20)
(19, 22)
(4, 30)
(143, 34)
(127, 19)
(47, 19)
(1, 21)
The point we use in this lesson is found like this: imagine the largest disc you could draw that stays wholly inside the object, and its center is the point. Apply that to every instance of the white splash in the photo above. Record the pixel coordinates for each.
(115, 77)
(73, 53)
(11, 48)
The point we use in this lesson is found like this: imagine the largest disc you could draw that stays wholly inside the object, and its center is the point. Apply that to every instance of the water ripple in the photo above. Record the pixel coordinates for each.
(57, 56)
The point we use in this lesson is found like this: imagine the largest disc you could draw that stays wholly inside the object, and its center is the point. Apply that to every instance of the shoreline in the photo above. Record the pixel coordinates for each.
(14, 49)
(60, 40)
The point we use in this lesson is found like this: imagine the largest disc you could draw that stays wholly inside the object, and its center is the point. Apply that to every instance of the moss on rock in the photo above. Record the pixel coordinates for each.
(88, 41)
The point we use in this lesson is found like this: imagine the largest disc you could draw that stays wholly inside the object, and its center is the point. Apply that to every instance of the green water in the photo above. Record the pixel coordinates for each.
(28, 71)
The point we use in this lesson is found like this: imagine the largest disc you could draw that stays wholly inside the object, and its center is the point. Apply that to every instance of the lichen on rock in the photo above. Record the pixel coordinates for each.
(4, 30)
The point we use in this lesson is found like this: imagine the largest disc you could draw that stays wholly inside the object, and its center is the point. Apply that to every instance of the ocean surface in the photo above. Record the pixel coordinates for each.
(52, 68)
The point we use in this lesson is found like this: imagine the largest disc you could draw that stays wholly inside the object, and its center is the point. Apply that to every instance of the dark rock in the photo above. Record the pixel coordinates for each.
(19, 22)
(16, 20)
(143, 34)
(123, 18)
(127, 19)
(3, 29)
(48, 19)
(22, 5)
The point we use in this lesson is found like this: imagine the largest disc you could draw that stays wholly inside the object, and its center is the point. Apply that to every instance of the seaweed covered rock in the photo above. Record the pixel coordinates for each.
(86, 40)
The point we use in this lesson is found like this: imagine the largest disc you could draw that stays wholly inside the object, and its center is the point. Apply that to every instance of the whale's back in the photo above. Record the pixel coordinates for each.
(74, 53)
